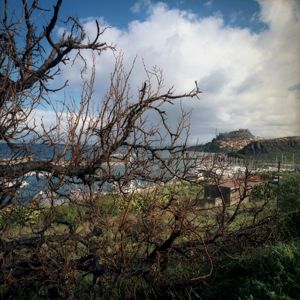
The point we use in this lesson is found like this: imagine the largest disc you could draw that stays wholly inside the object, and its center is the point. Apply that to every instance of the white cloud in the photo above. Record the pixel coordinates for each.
(141, 5)
(247, 77)
(208, 3)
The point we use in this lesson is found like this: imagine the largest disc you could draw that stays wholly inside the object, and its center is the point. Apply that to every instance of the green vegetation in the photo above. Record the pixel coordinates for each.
(289, 193)
(271, 272)
(268, 272)
(243, 263)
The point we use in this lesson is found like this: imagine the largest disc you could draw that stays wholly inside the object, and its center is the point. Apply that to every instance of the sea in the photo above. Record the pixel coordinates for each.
(37, 185)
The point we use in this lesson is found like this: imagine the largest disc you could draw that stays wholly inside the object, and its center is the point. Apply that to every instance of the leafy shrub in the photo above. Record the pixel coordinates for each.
(289, 204)
(289, 193)
(67, 213)
(20, 216)
(263, 192)
(268, 273)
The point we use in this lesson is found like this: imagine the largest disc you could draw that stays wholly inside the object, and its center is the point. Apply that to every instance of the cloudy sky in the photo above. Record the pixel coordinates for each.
(245, 56)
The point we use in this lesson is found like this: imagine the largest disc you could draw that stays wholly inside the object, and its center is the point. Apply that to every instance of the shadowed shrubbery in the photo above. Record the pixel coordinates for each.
(272, 272)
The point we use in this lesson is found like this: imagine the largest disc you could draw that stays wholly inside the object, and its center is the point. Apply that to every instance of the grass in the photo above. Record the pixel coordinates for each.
(135, 208)
(133, 224)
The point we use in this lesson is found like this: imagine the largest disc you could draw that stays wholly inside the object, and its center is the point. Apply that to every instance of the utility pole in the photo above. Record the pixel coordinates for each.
(278, 182)
(294, 161)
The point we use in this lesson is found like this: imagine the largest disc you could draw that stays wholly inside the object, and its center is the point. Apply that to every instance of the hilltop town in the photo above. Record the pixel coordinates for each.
(243, 143)
(228, 141)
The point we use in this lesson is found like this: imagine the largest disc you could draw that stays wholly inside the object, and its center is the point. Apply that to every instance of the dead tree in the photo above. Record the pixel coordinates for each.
(125, 179)
(30, 57)
(95, 140)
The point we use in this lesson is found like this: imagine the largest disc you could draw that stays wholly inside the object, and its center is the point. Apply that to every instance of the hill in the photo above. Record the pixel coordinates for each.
(237, 135)
(272, 147)
(226, 142)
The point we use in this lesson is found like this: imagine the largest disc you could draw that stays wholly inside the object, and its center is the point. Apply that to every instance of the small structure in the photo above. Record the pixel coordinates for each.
(228, 192)
(275, 178)
(214, 195)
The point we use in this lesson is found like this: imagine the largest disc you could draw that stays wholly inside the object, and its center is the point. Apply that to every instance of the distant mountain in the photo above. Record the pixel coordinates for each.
(284, 145)
(226, 142)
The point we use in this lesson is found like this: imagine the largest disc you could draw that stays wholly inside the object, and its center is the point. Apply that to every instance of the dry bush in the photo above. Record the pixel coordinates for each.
(97, 241)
